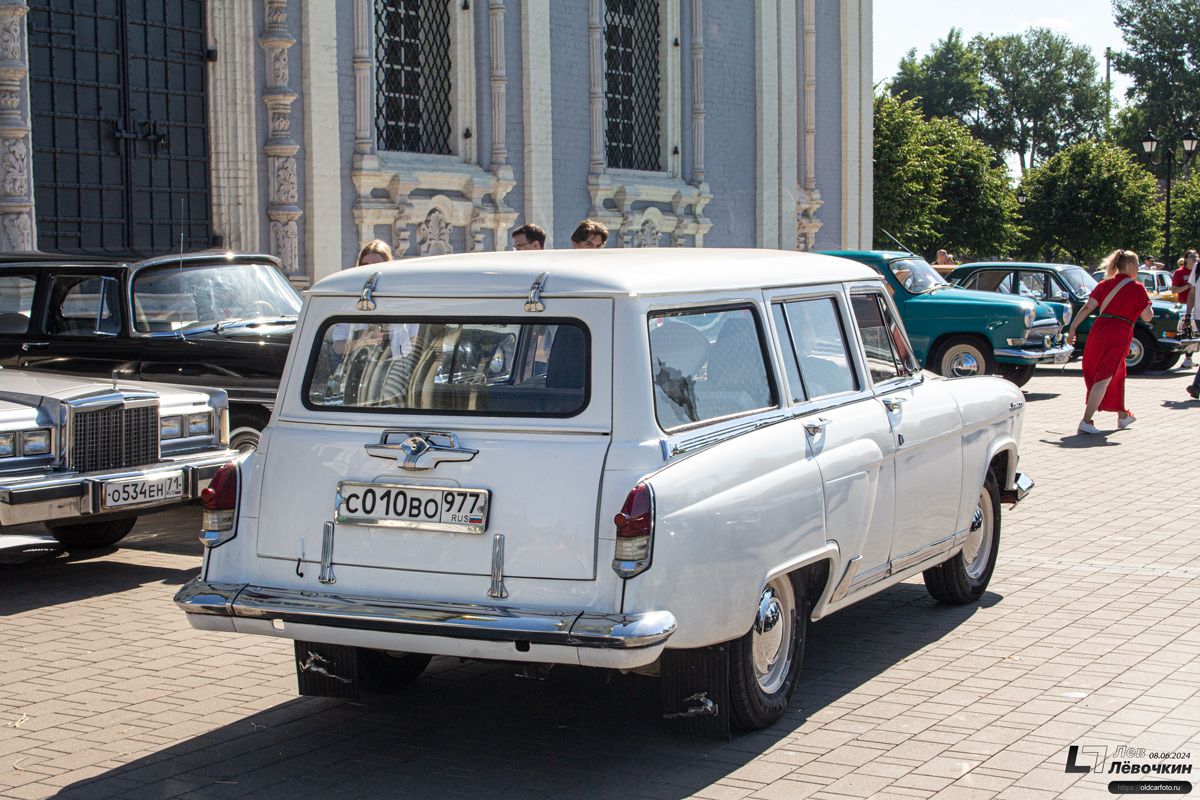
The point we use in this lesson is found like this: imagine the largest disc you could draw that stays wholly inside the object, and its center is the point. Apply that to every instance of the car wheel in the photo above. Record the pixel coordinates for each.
(244, 439)
(380, 670)
(247, 425)
(963, 356)
(1020, 374)
(93, 534)
(765, 663)
(1142, 351)
(1165, 360)
(964, 577)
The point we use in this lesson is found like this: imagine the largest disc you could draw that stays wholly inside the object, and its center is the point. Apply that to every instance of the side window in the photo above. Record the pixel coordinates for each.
(818, 337)
(1057, 291)
(887, 351)
(795, 385)
(1033, 284)
(992, 281)
(707, 365)
(16, 301)
(83, 305)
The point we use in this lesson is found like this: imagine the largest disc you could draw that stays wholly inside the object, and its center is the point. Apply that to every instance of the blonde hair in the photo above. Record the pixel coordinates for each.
(1117, 260)
(375, 246)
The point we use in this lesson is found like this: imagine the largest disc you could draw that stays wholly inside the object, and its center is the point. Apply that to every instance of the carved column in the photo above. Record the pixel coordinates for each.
(698, 174)
(596, 168)
(281, 148)
(364, 105)
(16, 165)
(502, 216)
(810, 200)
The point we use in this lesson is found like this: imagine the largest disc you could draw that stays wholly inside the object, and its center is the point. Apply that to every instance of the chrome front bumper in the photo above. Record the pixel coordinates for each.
(1041, 355)
(1021, 486)
(425, 618)
(49, 496)
(1179, 345)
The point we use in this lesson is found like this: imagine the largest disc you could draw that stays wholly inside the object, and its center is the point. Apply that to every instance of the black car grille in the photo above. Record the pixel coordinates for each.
(114, 438)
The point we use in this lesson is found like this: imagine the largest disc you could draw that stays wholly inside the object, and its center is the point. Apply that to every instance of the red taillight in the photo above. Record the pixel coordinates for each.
(635, 516)
(635, 529)
(220, 499)
(221, 494)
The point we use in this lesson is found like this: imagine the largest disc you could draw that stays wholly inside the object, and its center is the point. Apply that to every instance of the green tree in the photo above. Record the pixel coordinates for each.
(945, 83)
(1163, 60)
(1088, 200)
(1041, 94)
(908, 175)
(936, 186)
(1185, 215)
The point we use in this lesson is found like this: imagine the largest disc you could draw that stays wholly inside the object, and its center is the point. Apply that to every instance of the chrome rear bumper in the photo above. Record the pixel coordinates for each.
(48, 496)
(1041, 355)
(1021, 487)
(425, 618)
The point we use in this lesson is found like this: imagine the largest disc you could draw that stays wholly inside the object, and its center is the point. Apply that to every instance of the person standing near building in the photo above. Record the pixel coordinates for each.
(1121, 300)
(529, 237)
(589, 235)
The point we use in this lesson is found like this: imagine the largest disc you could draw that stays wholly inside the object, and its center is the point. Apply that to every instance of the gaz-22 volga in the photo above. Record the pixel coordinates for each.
(656, 460)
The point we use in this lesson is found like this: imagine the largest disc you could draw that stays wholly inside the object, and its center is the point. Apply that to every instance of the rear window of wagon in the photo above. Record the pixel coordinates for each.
(467, 366)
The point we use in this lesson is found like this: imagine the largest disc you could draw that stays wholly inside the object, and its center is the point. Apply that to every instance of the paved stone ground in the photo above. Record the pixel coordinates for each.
(1089, 635)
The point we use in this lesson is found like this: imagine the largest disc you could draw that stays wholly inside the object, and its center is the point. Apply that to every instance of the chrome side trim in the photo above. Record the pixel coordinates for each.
(707, 439)
(843, 585)
(421, 617)
(940, 547)
(327, 577)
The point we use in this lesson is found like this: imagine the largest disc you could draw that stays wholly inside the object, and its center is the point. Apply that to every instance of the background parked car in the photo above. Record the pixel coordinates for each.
(213, 318)
(87, 458)
(959, 333)
(1156, 344)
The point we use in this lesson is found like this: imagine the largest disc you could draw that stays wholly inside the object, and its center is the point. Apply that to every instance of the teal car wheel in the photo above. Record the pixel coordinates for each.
(1142, 352)
(963, 357)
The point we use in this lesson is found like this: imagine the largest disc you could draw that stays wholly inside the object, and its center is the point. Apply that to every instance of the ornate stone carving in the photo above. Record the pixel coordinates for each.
(434, 235)
(285, 176)
(18, 229)
(280, 148)
(647, 235)
(15, 163)
(10, 39)
(809, 199)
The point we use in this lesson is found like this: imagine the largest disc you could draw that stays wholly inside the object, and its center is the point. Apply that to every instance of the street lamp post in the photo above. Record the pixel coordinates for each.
(1150, 145)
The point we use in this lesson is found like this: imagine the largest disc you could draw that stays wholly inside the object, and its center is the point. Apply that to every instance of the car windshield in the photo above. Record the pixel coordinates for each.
(916, 276)
(174, 298)
(1078, 281)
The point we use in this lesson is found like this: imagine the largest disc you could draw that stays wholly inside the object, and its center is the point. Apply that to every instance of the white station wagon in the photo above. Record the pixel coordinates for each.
(666, 461)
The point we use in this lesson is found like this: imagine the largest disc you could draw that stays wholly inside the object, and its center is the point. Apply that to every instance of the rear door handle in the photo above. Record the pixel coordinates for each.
(815, 426)
(27, 346)
(894, 403)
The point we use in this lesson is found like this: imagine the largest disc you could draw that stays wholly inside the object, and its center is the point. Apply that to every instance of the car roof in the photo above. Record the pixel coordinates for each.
(38, 258)
(608, 272)
(1018, 265)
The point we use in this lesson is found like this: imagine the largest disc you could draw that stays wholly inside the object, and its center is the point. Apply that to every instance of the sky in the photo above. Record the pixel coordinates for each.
(901, 25)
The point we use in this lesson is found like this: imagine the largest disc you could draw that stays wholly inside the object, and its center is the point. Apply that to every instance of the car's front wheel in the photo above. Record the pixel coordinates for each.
(963, 356)
(88, 535)
(964, 578)
(1142, 352)
(765, 663)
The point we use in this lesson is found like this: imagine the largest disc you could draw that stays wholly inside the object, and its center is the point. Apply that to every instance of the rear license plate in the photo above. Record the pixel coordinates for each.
(1062, 358)
(422, 507)
(156, 489)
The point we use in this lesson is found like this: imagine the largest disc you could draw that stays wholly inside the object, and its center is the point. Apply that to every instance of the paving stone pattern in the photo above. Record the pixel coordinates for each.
(1088, 636)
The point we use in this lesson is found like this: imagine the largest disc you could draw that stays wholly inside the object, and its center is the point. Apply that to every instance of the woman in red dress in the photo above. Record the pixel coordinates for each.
(1121, 299)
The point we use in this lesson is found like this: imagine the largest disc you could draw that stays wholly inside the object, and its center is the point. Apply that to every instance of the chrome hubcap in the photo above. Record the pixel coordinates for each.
(1135, 353)
(961, 363)
(978, 547)
(771, 639)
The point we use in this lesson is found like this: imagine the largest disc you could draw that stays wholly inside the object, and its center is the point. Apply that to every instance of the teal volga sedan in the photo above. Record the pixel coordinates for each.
(1156, 344)
(956, 332)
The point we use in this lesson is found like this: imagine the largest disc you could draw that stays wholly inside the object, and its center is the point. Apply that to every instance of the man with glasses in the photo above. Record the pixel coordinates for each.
(529, 237)
(590, 235)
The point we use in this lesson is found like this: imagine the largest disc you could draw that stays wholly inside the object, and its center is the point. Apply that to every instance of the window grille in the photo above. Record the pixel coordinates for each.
(631, 88)
(412, 76)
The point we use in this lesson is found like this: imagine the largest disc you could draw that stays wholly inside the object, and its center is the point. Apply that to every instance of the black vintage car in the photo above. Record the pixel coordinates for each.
(214, 319)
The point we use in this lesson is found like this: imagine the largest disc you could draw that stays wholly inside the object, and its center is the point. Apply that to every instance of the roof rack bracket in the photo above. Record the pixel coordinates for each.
(365, 303)
(534, 302)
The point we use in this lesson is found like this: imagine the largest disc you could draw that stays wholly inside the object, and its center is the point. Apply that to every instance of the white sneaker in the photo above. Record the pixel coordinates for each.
(1126, 421)
(1087, 427)
(1188, 363)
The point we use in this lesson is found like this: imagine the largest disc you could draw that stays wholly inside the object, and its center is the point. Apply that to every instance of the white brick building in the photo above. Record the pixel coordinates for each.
(308, 128)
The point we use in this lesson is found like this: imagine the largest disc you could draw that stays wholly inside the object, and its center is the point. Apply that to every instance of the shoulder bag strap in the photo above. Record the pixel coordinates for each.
(1113, 294)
